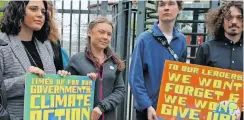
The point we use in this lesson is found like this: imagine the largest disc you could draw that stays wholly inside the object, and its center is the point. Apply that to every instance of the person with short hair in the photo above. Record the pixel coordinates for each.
(149, 55)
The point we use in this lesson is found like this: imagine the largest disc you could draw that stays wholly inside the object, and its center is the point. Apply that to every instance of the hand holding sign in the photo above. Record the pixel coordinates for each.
(36, 70)
(96, 113)
(151, 113)
(93, 76)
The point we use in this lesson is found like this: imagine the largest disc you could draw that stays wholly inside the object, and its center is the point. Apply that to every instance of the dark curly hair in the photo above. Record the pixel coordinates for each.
(14, 14)
(214, 18)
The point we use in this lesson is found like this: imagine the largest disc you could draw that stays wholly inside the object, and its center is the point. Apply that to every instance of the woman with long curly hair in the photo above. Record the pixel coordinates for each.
(25, 30)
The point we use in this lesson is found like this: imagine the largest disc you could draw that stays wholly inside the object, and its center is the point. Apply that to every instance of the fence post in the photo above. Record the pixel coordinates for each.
(141, 15)
(104, 8)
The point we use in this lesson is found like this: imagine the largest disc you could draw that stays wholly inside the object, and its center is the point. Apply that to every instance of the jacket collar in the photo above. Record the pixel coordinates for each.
(227, 41)
(108, 52)
(158, 32)
(19, 51)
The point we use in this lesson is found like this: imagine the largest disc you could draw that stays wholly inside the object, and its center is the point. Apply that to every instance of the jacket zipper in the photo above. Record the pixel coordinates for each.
(101, 79)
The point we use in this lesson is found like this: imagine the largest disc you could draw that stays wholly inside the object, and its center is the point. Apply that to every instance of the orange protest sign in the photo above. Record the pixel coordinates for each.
(194, 92)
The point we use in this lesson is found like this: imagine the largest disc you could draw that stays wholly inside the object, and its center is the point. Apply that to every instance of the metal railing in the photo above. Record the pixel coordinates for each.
(129, 22)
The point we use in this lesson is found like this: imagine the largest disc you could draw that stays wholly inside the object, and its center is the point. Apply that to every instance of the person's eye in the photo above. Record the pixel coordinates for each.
(239, 18)
(34, 9)
(171, 3)
(161, 4)
(43, 11)
(101, 32)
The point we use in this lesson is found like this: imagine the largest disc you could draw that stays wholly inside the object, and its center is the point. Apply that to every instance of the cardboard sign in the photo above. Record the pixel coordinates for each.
(194, 92)
(58, 98)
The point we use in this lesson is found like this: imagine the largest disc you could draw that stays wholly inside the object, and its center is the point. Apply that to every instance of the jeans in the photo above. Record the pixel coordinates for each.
(141, 115)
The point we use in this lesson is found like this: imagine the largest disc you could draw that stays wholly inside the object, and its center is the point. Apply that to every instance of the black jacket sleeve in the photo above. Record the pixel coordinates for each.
(202, 54)
(184, 55)
(58, 61)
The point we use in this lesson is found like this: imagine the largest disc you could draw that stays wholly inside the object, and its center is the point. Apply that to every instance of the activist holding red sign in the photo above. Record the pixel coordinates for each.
(225, 24)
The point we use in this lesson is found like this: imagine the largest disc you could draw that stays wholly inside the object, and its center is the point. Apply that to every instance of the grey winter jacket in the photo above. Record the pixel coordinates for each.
(3, 98)
(3, 101)
(14, 63)
(109, 87)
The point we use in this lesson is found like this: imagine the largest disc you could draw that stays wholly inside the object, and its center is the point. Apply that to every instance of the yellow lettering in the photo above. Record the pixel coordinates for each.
(174, 77)
(43, 102)
(208, 94)
(36, 115)
(218, 94)
(61, 101)
(217, 84)
(186, 79)
(87, 99)
(80, 98)
(71, 100)
(189, 90)
(238, 85)
(59, 113)
(182, 101)
(168, 87)
(33, 101)
(67, 116)
(170, 99)
(212, 106)
(85, 113)
(194, 114)
(166, 109)
(33, 89)
(234, 98)
(200, 103)
(75, 114)
(46, 114)
(205, 82)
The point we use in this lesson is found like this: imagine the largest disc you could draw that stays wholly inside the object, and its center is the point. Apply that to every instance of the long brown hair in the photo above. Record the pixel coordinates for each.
(214, 19)
(118, 61)
(53, 33)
